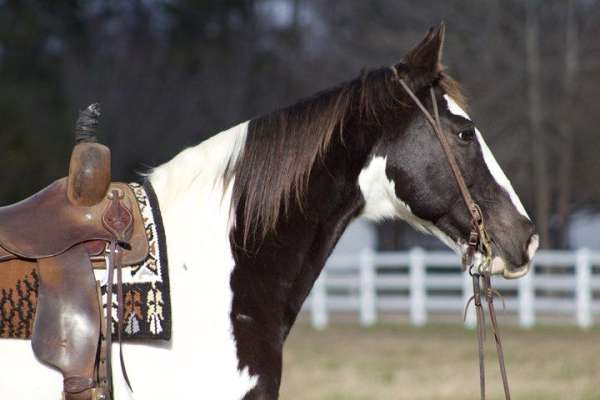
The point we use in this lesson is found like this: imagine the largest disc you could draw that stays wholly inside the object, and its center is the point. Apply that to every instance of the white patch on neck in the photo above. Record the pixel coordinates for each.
(202, 163)
(489, 159)
(379, 192)
(381, 202)
(196, 213)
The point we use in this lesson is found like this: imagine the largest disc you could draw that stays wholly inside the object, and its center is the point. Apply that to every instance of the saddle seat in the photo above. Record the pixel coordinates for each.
(48, 224)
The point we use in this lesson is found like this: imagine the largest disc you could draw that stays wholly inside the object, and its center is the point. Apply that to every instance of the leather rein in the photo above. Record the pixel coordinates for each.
(479, 242)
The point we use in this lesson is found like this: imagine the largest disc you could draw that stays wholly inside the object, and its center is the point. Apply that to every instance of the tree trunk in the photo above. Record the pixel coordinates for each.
(566, 130)
(538, 145)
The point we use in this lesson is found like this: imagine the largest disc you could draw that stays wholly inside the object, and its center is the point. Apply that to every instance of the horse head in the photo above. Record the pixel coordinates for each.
(408, 174)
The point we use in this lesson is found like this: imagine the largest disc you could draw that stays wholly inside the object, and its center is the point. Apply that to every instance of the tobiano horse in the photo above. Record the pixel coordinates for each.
(252, 214)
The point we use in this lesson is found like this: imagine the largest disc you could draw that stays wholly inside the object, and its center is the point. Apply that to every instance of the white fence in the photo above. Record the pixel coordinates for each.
(564, 284)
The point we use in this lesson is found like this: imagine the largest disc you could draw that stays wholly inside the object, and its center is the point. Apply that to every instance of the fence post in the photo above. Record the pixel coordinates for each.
(526, 295)
(418, 312)
(368, 307)
(583, 288)
(319, 315)
(470, 317)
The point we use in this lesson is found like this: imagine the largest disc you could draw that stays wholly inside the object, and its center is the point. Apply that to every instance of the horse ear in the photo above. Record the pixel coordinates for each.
(427, 55)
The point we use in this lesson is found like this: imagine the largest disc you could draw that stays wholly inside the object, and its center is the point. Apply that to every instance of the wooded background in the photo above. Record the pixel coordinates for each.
(171, 73)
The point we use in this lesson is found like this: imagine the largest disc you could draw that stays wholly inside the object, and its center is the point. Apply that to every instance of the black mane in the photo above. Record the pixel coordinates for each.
(282, 147)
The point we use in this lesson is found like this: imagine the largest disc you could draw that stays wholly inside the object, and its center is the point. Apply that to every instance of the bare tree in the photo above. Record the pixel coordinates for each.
(538, 138)
(565, 165)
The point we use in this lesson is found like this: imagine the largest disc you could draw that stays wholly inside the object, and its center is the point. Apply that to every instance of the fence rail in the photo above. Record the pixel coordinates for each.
(560, 283)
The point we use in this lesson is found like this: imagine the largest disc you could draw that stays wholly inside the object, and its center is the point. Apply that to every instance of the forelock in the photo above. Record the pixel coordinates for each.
(452, 88)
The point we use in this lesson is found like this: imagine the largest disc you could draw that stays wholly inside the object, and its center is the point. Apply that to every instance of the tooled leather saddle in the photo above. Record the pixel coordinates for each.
(76, 224)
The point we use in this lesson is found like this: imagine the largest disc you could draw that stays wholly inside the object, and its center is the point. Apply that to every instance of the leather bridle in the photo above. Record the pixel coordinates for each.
(478, 242)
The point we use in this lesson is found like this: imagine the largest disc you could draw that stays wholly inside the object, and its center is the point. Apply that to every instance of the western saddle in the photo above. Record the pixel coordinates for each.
(76, 224)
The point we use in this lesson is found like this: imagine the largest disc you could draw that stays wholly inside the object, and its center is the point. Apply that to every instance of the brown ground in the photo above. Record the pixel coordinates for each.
(345, 362)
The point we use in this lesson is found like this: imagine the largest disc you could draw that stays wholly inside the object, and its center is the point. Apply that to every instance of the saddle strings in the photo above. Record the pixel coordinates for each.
(117, 223)
(478, 240)
(115, 262)
(109, 306)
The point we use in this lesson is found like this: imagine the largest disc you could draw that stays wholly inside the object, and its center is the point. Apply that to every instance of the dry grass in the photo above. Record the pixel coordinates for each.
(345, 362)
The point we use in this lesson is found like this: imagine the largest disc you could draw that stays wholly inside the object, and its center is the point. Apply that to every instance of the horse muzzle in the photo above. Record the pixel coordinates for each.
(500, 266)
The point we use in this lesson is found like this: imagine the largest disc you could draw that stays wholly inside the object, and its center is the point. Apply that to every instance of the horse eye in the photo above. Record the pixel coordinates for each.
(466, 134)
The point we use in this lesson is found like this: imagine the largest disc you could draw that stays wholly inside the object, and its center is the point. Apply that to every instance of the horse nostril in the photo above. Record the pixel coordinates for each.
(532, 246)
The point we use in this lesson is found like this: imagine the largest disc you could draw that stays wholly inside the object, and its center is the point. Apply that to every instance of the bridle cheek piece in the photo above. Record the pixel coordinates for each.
(478, 241)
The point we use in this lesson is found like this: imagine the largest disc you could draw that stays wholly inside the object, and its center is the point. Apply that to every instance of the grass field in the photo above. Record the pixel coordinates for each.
(345, 362)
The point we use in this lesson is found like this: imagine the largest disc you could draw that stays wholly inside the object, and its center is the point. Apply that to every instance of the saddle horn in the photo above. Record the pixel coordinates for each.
(89, 169)
(87, 122)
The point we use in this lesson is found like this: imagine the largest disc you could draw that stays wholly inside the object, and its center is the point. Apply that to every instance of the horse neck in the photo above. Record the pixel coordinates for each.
(274, 275)
(270, 279)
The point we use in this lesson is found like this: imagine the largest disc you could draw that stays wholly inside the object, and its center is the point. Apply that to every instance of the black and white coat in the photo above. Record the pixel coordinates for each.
(239, 276)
